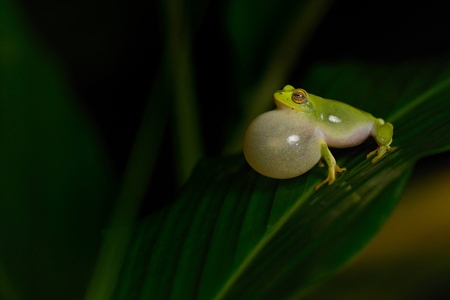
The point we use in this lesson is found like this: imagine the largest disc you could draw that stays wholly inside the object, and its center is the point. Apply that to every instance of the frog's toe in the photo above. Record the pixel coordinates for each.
(321, 164)
(322, 183)
(380, 151)
(372, 153)
(392, 149)
(331, 176)
(339, 170)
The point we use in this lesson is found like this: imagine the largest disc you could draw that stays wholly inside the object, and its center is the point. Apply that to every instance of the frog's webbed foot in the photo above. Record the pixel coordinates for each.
(332, 166)
(383, 136)
(380, 151)
(331, 175)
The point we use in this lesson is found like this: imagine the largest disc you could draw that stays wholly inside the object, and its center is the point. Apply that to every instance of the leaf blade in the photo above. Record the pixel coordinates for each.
(298, 237)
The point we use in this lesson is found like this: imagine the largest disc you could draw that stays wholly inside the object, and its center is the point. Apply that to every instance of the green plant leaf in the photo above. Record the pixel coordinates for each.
(54, 178)
(275, 62)
(236, 234)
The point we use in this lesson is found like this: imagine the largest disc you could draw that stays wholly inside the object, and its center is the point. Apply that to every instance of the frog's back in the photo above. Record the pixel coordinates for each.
(343, 125)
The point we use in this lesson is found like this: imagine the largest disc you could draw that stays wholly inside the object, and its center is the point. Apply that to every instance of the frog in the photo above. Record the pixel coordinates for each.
(294, 137)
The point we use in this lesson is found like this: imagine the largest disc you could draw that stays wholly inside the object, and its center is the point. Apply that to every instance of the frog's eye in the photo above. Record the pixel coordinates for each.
(299, 96)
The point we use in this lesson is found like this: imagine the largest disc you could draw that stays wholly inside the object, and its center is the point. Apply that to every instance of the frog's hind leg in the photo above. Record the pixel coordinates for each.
(383, 135)
(331, 162)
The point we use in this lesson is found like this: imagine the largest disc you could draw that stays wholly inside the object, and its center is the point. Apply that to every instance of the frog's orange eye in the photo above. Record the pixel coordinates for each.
(299, 96)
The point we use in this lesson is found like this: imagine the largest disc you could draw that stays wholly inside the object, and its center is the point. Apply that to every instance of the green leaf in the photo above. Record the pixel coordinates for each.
(236, 234)
(54, 179)
(273, 63)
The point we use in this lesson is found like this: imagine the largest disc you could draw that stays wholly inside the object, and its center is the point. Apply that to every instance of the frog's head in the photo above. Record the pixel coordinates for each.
(290, 97)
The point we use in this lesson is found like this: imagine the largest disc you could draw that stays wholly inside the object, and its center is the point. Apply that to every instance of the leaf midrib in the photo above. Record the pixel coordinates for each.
(261, 244)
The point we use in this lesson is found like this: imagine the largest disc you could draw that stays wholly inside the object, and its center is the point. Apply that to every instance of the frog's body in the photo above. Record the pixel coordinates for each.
(290, 140)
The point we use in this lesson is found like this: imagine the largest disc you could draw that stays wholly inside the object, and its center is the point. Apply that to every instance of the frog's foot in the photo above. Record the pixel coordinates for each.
(383, 135)
(321, 164)
(331, 175)
(380, 151)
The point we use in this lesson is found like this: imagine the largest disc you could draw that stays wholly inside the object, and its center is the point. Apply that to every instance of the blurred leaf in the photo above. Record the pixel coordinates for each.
(132, 190)
(278, 56)
(180, 70)
(236, 234)
(54, 180)
(261, 71)
(174, 82)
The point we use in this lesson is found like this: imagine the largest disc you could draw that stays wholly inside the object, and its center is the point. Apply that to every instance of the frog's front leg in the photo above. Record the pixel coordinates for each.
(331, 162)
(382, 133)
